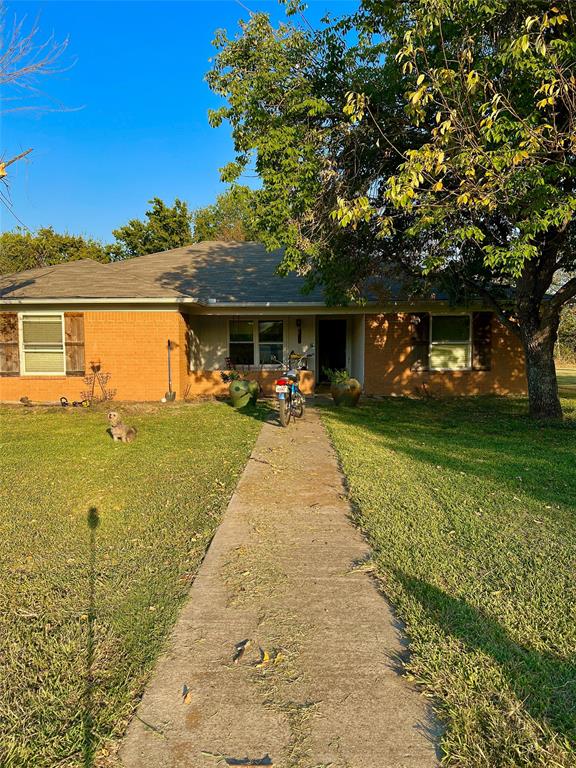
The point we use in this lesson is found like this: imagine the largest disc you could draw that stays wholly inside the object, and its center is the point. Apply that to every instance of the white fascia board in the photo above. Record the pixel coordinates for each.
(164, 300)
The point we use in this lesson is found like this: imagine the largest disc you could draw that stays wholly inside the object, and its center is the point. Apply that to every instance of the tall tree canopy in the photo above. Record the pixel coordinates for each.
(437, 145)
(165, 227)
(21, 250)
(229, 218)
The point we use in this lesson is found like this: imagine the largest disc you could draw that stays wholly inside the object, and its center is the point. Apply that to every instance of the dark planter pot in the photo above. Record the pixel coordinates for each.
(346, 392)
(243, 392)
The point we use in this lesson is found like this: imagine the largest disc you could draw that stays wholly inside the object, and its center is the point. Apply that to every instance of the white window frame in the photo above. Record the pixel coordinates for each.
(440, 343)
(256, 340)
(22, 350)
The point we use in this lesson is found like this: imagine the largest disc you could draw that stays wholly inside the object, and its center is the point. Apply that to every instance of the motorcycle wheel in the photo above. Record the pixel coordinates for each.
(284, 412)
(299, 408)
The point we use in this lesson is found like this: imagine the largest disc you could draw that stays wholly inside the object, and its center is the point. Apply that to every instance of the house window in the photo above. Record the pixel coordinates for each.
(42, 343)
(450, 342)
(270, 341)
(242, 342)
(256, 343)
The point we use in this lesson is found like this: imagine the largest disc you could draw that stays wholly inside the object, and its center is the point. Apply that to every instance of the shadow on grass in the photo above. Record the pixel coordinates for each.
(543, 682)
(89, 736)
(263, 410)
(489, 438)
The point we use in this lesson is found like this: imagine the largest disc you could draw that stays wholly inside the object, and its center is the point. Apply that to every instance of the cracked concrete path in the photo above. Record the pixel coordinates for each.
(316, 686)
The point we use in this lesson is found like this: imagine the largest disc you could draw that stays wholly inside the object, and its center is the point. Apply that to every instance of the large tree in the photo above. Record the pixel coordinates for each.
(20, 249)
(440, 143)
(164, 227)
(229, 218)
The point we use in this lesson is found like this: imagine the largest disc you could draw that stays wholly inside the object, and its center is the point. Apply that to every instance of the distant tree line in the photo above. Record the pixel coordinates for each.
(162, 228)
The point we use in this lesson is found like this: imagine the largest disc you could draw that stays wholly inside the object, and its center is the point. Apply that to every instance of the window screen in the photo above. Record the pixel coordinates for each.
(271, 341)
(242, 342)
(450, 345)
(43, 344)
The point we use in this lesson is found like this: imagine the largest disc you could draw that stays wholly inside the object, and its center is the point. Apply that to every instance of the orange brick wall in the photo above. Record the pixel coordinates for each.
(131, 346)
(200, 383)
(387, 366)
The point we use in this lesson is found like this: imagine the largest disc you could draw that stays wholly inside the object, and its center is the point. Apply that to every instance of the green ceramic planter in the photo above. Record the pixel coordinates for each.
(243, 392)
(346, 392)
(254, 389)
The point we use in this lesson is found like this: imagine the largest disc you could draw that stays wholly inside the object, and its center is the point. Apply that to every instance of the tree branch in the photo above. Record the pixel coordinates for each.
(563, 294)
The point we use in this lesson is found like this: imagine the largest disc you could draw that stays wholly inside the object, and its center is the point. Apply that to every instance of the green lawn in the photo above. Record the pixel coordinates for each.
(471, 511)
(88, 597)
(566, 380)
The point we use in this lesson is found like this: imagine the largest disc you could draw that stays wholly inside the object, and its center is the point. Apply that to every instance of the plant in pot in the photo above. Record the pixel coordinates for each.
(242, 392)
(344, 389)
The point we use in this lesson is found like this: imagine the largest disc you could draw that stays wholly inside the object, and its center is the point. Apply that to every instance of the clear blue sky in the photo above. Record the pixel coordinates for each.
(134, 118)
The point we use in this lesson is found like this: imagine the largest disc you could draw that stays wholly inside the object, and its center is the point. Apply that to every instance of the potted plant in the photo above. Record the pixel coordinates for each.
(344, 389)
(242, 391)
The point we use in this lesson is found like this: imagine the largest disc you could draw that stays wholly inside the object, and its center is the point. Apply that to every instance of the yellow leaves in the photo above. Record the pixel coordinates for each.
(268, 660)
(445, 127)
(463, 199)
(416, 96)
(472, 79)
(519, 157)
(351, 213)
(438, 187)
(550, 91)
(356, 105)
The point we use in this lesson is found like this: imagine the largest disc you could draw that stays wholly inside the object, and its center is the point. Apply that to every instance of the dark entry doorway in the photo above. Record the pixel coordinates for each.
(331, 346)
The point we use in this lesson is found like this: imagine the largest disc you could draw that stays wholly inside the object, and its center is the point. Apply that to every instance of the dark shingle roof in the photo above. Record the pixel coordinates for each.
(209, 272)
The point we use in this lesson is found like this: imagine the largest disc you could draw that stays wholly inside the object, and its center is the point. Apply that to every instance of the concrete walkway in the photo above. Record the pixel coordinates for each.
(282, 572)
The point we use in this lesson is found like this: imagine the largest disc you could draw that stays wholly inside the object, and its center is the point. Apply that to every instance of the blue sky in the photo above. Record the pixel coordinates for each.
(128, 120)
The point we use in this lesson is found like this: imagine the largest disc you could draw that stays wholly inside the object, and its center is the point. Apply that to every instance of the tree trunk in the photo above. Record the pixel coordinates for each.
(539, 338)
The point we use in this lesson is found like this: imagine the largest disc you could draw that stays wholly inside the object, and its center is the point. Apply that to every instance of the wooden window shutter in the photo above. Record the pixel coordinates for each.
(482, 341)
(74, 336)
(9, 346)
(420, 340)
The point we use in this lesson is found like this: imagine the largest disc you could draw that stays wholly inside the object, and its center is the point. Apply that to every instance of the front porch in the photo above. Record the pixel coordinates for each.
(254, 343)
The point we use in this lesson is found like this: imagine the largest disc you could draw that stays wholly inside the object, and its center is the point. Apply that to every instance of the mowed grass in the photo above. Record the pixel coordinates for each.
(471, 511)
(99, 542)
(566, 380)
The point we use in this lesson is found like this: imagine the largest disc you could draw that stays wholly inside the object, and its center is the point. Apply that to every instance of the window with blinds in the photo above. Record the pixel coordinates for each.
(450, 343)
(42, 344)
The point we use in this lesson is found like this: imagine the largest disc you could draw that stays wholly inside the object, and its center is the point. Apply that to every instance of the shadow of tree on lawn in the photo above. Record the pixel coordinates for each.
(544, 682)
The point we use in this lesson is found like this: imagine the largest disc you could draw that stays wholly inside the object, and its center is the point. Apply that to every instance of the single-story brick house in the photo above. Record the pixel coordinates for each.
(223, 304)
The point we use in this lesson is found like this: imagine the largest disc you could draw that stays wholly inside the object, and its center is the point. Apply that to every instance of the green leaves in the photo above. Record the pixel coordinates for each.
(20, 250)
(230, 218)
(165, 227)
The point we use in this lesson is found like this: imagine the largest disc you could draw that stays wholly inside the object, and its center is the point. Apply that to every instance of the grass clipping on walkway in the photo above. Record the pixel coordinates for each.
(470, 509)
(99, 542)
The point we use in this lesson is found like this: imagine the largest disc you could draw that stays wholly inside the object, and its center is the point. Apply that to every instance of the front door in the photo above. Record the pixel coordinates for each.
(331, 346)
